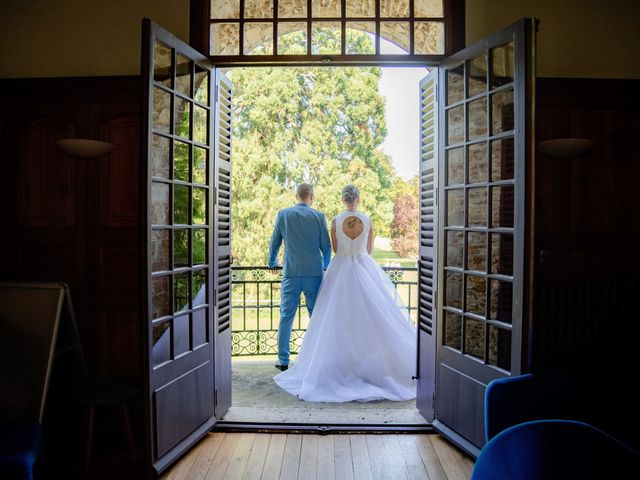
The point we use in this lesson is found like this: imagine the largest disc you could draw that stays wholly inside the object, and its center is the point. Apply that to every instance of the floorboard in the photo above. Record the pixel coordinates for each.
(264, 456)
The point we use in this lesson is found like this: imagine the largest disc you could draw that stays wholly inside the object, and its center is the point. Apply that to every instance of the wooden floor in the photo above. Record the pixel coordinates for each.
(306, 457)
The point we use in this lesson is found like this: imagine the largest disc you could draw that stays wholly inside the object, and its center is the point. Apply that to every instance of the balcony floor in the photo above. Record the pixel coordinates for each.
(256, 398)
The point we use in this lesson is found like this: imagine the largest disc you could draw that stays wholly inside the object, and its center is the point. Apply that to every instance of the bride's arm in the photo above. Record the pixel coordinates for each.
(334, 238)
(370, 238)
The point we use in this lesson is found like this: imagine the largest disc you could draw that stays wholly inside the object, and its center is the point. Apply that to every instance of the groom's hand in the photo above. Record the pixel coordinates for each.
(274, 270)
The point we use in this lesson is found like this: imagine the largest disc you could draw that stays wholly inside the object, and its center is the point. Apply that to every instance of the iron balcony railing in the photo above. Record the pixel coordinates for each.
(256, 308)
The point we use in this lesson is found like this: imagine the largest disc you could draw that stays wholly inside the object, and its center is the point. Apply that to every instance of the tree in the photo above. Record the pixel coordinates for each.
(320, 125)
(404, 228)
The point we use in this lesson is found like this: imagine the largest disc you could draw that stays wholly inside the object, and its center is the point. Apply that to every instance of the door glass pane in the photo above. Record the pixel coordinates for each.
(181, 292)
(361, 8)
(326, 38)
(227, 9)
(292, 38)
(455, 84)
(477, 76)
(161, 350)
(453, 289)
(428, 8)
(258, 39)
(200, 124)
(499, 347)
(181, 248)
(455, 207)
(474, 338)
(428, 38)
(394, 8)
(477, 251)
(292, 9)
(180, 335)
(454, 249)
(160, 204)
(160, 250)
(502, 162)
(201, 85)
(455, 166)
(162, 64)
(199, 325)
(356, 43)
(502, 253)
(199, 287)
(476, 294)
(258, 8)
(199, 246)
(326, 8)
(452, 330)
(455, 125)
(199, 206)
(183, 75)
(397, 33)
(225, 39)
(161, 296)
(161, 110)
(478, 163)
(181, 205)
(181, 161)
(160, 156)
(477, 118)
(200, 165)
(181, 120)
(502, 111)
(501, 300)
(477, 207)
(502, 206)
(502, 65)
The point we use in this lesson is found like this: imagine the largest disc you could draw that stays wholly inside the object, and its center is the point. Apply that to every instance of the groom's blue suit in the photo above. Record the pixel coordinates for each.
(307, 252)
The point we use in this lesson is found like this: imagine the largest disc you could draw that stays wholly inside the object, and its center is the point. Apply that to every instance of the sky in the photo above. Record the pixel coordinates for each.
(399, 86)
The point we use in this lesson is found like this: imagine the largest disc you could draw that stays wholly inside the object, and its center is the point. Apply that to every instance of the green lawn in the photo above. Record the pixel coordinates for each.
(389, 256)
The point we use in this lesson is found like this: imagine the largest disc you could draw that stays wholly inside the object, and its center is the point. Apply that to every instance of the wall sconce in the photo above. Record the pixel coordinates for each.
(84, 148)
(565, 147)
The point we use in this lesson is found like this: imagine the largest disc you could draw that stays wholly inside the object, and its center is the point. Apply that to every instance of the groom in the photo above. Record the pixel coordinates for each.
(307, 253)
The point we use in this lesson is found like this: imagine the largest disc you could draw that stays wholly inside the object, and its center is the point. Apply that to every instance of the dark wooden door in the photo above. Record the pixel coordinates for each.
(427, 244)
(484, 156)
(178, 187)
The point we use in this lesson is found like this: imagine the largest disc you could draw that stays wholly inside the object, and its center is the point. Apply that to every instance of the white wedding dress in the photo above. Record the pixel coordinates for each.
(360, 344)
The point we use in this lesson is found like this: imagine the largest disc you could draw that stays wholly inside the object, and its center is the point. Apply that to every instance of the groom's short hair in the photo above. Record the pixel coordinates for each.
(304, 191)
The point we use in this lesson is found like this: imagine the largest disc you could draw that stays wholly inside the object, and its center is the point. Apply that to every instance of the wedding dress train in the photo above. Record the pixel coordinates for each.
(360, 344)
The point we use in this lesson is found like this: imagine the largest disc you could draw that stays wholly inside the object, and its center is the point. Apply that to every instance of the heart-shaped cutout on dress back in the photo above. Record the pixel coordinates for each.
(352, 227)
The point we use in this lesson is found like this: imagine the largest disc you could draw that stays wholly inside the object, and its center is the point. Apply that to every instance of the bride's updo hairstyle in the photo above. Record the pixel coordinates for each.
(350, 193)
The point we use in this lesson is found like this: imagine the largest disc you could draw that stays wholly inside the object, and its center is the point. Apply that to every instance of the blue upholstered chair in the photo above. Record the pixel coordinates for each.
(513, 400)
(555, 449)
(19, 449)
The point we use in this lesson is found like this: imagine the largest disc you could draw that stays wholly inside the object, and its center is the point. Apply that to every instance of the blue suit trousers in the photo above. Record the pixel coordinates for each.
(292, 287)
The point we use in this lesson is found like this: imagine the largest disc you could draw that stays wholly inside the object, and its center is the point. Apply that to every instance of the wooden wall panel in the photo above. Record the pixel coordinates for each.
(47, 178)
(119, 179)
(588, 253)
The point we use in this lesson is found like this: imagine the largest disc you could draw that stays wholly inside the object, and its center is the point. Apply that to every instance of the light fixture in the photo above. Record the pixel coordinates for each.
(565, 147)
(84, 148)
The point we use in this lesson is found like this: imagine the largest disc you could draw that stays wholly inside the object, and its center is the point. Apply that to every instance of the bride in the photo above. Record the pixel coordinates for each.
(360, 345)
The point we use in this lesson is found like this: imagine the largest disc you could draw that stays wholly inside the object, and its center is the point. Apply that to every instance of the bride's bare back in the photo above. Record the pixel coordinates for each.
(352, 227)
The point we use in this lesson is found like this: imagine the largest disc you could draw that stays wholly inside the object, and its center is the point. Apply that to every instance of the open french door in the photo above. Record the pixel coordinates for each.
(186, 165)
(484, 105)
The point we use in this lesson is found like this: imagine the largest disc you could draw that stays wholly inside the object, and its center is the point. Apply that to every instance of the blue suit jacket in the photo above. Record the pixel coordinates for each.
(307, 250)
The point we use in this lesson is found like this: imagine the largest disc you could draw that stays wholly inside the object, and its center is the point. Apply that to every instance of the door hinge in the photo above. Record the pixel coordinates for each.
(215, 398)
(436, 199)
(215, 297)
(215, 195)
(433, 401)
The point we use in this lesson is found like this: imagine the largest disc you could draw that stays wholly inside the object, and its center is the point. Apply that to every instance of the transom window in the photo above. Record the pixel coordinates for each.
(262, 31)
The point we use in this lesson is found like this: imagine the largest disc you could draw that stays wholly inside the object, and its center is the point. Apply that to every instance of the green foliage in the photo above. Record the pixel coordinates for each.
(320, 125)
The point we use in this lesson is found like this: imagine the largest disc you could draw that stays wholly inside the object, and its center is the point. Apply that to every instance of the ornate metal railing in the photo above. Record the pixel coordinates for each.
(256, 308)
